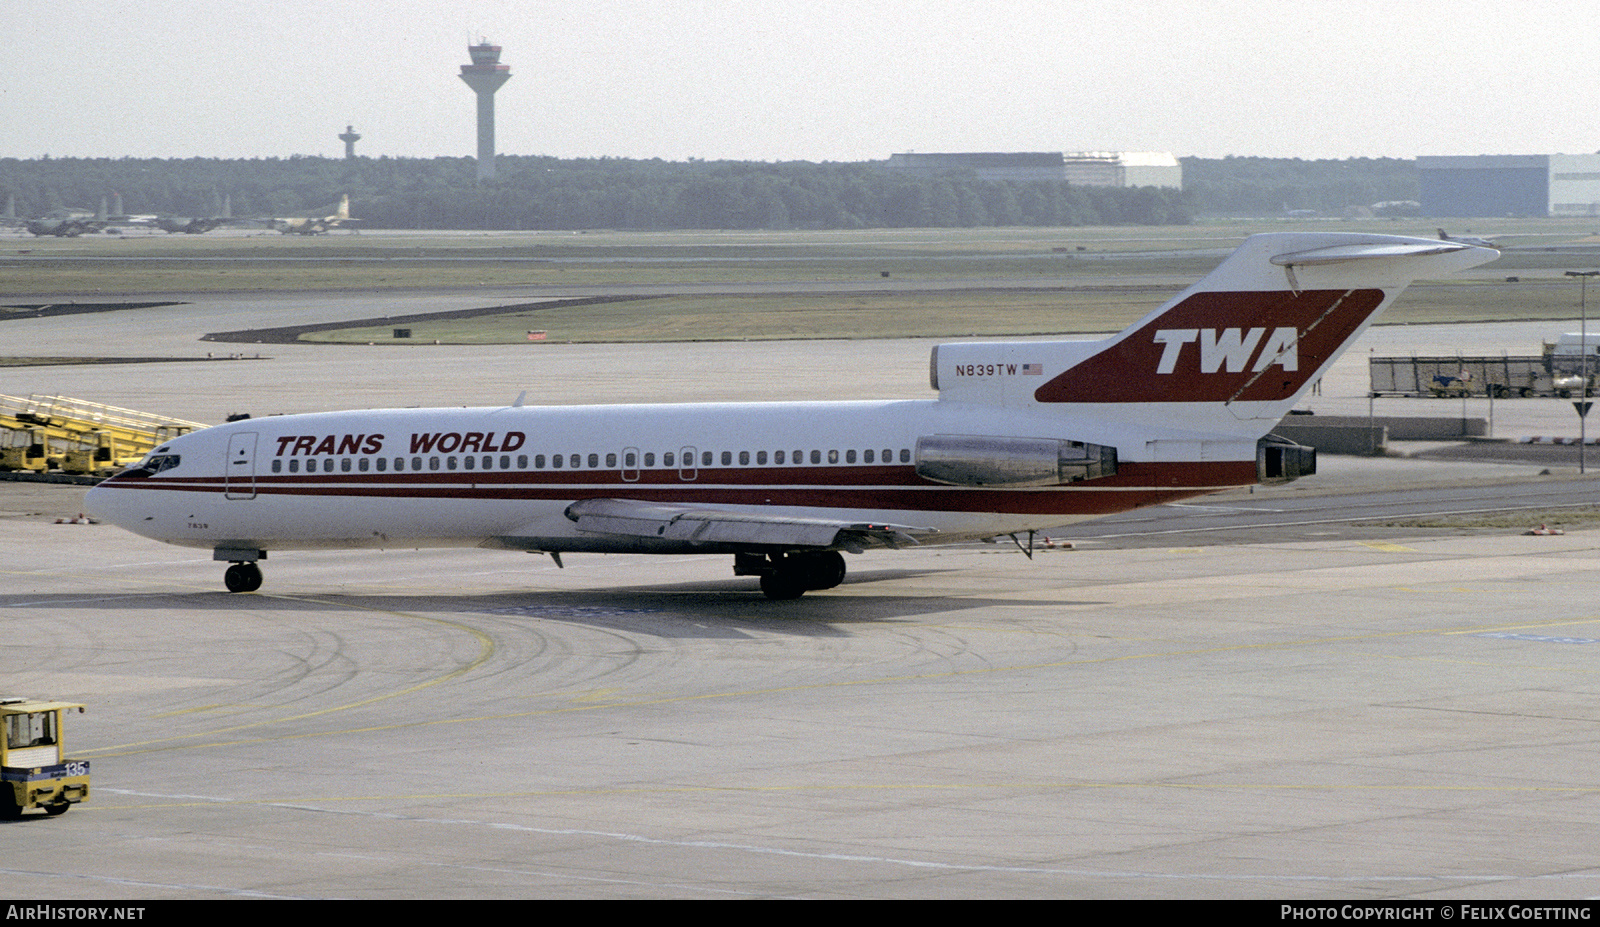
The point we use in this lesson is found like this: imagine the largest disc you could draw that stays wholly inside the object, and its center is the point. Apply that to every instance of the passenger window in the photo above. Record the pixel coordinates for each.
(294, 466)
(433, 463)
(630, 460)
(277, 466)
(594, 461)
(555, 461)
(833, 457)
(538, 461)
(522, 462)
(850, 456)
(650, 459)
(705, 458)
(364, 464)
(382, 464)
(761, 458)
(744, 458)
(611, 460)
(866, 456)
(416, 463)
(799, 457)
(777, 457)
(727, 458)
(905, 455)
(466, 462)
(666, 459)
(576, 461)
(816, 457)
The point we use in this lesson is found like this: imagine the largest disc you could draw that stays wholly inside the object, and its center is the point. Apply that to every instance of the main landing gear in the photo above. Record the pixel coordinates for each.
(789, 576)
(242, 577)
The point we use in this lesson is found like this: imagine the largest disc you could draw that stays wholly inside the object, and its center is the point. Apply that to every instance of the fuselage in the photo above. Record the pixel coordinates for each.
(1023, 436)
(503, 477)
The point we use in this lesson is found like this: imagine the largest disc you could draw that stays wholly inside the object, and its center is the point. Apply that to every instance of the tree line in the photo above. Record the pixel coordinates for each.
(1236, 186)
(532, 192)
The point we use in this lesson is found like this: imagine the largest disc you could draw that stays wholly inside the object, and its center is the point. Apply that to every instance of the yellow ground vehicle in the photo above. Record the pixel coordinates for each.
(26, 449)
(58, 432)
(99, 452)
(33, 771)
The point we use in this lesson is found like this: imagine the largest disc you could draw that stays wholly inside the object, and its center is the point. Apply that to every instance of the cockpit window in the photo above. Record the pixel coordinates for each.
(152, 465)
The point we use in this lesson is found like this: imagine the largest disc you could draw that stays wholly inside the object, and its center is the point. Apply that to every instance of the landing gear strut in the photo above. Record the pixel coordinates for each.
(789, 576)
(242, 577)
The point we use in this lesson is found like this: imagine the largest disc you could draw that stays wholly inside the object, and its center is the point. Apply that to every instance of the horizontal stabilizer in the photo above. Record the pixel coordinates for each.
(1339, 254)
(698, 525)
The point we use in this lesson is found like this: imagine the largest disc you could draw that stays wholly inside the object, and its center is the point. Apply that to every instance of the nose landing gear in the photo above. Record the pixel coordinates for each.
(242, 577)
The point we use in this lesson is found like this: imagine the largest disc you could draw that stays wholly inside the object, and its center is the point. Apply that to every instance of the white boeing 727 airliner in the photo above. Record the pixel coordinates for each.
(1023, 436)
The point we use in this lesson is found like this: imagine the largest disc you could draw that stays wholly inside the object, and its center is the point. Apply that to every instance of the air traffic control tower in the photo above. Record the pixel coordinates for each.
(485, 75)
(349, 136)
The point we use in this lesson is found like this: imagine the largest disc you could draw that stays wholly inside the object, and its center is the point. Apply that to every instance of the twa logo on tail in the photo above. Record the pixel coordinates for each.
(1221, 346)
(1230, 347)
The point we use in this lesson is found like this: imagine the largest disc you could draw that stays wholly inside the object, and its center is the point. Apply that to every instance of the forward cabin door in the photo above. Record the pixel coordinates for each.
(239, 471)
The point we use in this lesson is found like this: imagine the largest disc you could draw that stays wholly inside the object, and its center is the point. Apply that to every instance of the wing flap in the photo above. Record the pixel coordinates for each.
(700, 525)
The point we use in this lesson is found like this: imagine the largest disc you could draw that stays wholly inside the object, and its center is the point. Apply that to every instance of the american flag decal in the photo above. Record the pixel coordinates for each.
(1033, 370)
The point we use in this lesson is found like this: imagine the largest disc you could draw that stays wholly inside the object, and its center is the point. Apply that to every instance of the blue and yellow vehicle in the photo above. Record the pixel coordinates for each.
(34, 772)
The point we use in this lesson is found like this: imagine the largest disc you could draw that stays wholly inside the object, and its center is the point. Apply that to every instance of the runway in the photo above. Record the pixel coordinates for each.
(1290, 715)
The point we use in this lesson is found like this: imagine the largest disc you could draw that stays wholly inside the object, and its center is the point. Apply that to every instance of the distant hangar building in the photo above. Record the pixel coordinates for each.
(1085, 168)
(1509, 185)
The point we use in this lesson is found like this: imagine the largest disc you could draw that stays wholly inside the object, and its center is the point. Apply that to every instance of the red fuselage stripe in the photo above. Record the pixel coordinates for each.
(897, 489)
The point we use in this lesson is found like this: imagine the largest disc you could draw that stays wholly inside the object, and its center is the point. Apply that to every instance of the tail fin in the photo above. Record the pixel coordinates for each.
(344, 207)
(1261, 327)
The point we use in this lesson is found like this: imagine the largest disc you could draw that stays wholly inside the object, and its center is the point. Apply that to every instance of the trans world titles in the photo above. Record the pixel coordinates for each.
(443, 442)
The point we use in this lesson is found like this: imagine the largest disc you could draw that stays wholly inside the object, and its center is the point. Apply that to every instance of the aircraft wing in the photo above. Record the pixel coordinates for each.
(703, 524)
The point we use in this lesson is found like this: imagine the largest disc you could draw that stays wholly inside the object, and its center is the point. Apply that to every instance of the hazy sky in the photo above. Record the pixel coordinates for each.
(814, 80)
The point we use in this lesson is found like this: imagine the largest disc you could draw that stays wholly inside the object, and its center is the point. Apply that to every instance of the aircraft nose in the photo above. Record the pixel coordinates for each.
(108, 504)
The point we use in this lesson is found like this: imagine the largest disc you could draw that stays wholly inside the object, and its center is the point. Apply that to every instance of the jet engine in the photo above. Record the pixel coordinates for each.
(1279, 460)
(979, 460)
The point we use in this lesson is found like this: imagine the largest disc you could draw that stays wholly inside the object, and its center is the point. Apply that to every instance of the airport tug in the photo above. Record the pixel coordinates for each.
(33, 771)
